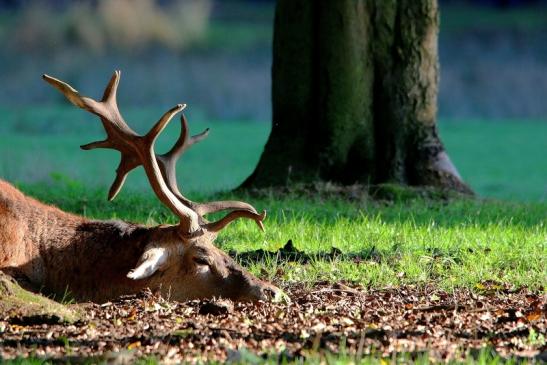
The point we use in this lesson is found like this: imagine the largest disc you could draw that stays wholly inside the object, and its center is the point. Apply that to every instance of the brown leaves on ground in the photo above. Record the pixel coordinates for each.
(323, 318)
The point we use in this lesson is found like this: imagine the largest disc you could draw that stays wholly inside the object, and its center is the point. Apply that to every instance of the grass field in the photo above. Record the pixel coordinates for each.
(409, 241)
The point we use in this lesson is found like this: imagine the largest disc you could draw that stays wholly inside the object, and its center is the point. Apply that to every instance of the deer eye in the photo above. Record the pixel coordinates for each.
(201, 261)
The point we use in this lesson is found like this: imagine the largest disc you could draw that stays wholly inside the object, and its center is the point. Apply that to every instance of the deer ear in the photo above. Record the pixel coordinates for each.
(150, 262)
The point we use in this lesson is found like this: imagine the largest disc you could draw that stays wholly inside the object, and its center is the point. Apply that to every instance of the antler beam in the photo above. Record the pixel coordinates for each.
(135, 150)
(138, 150)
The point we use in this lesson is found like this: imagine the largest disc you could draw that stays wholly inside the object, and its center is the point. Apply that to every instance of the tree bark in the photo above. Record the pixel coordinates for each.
(354, 91)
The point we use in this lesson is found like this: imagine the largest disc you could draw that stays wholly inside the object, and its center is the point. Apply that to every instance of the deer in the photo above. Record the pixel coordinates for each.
(56, 252)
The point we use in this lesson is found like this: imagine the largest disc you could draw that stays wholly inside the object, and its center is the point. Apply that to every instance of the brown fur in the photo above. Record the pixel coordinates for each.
(60, 253)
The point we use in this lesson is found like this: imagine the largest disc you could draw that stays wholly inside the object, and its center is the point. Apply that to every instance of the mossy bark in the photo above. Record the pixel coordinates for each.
(20, 305)
(355, 95)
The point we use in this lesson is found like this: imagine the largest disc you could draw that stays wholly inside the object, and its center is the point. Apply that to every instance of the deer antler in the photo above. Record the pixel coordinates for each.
(168, 162)
(138, 150)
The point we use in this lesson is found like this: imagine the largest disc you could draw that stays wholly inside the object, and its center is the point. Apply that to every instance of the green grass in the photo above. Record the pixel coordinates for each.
(483, 356)
(410, 241)
(41, 143)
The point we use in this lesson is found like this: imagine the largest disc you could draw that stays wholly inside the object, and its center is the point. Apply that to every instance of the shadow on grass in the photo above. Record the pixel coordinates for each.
(289, 253)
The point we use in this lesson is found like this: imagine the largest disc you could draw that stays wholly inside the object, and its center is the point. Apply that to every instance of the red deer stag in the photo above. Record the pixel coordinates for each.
(100, 260)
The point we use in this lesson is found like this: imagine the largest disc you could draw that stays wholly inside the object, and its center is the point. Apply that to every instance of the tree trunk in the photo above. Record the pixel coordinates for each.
(355, 95)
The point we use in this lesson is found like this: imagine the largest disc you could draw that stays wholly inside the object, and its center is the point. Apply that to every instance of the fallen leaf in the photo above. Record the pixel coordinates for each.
(134, 345)
(132, 315)
(534, 316)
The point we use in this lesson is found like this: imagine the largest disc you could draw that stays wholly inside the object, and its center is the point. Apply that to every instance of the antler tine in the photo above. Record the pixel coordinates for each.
(167, 164)
(218, 206)
(160, 125)
(116, 128)
(183, 142)
(230, 217)
(135, 150)
(168, 161)
(126, 165)
(109, 95)
(74, 97)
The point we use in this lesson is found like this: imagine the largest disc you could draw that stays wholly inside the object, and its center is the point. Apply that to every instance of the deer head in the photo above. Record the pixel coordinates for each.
(182, 257)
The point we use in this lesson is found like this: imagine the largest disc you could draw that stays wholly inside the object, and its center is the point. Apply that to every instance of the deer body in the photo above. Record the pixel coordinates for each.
(62, 253)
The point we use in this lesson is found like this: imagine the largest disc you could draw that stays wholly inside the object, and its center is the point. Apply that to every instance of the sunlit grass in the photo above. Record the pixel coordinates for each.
(413, 241)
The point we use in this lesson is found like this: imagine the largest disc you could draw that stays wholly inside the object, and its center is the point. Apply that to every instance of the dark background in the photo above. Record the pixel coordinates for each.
(218, 54)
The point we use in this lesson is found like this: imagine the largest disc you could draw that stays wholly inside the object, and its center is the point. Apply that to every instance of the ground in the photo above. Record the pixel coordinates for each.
(411, 273)
(413, 322)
